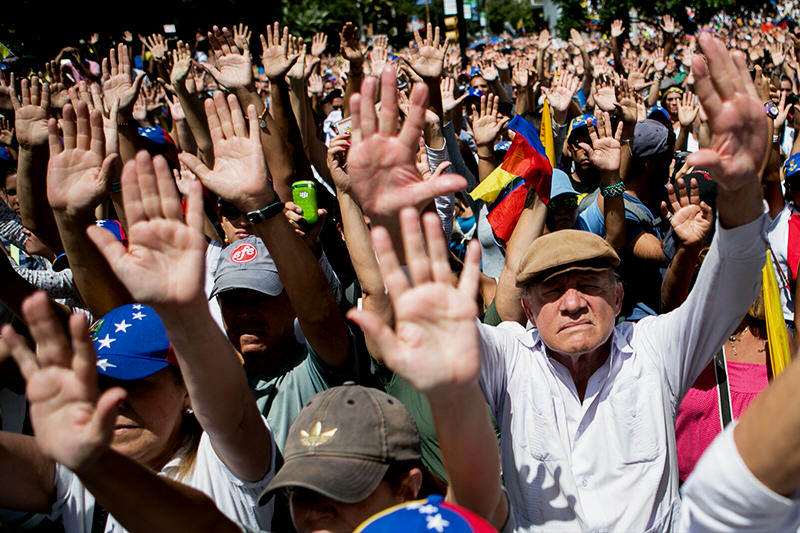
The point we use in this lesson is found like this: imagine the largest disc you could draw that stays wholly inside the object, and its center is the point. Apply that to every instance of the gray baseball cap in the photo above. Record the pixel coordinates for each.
(246, 264)
(650, 138)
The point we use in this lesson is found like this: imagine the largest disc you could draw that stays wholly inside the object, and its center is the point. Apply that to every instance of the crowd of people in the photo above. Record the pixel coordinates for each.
(271, 292)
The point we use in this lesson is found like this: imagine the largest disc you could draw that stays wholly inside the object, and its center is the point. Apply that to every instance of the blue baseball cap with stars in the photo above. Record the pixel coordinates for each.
(131, 343)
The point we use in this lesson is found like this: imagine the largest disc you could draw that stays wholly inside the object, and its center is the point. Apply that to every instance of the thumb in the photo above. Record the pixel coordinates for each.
(106, 170)
(195, 165)
(113, 251)
(105, 412)
(424, 192)
(382, 336)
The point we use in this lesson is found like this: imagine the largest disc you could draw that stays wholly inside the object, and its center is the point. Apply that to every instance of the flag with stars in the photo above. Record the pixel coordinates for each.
(131, 343)
(432, 515)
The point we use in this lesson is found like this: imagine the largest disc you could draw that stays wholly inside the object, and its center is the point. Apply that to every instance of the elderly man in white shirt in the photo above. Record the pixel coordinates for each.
(586, 409)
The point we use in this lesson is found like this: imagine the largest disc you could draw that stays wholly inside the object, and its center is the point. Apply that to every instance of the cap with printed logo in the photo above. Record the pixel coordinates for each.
(246, 264)
(343, 441)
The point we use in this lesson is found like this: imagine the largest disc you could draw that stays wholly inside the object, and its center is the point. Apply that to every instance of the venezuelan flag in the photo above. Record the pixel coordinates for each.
(777, 338)
(504, 190)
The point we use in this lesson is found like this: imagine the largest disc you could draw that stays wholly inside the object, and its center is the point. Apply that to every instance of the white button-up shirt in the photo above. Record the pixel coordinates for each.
(609, 463)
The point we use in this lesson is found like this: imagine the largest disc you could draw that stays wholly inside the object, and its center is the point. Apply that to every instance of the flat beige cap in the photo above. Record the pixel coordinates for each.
(564, 250)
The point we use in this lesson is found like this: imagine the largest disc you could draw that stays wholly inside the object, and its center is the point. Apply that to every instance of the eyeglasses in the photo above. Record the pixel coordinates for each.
(228, 210)
(563, 202)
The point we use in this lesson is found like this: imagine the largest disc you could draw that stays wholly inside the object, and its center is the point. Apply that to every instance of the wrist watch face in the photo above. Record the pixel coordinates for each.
(771, 109)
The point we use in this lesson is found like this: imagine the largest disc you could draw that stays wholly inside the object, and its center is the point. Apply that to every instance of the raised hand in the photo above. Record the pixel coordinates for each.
(543, 40)
(318, 44)
(6, 131)
(378, 58)
(487, 121)
(449, 101)
(233, 68)
(163, 265)
(604, 153)
(739, 127)
(668, 24)
(428, 59)
(337, 161)
(72, 422)
(691, 219)
(616, 28)
(349, 45)
(434, 344)
(30, 115)
(783, 113)
(78, 174)
(240, 173)
(576, 38)
(58, 89)
(157, 46)
(628, 103)
(275, 56)
(522, 73)
(181, 64)
(382, 173)
(488, 70)
(241, 36)
(687, 110)
(560, 95)
(117, 82)
(309, 233)
(604, 95)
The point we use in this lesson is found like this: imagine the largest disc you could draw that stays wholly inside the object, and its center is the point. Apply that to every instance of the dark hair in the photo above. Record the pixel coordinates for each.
(397, 473)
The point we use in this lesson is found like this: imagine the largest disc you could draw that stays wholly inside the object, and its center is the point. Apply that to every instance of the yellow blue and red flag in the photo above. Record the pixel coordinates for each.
(504, 190)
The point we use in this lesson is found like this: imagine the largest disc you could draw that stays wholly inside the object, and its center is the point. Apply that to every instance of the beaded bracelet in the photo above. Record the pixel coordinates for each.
(612, 191)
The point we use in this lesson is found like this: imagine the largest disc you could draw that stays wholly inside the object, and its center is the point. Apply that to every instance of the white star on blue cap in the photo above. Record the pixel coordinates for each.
(103, 364)
(138, 316)
(122, 326)
(437, 522)
(106, 342)
(136, 306)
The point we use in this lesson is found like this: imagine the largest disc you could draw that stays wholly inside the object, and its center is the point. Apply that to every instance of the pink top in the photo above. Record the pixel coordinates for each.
(697, 422)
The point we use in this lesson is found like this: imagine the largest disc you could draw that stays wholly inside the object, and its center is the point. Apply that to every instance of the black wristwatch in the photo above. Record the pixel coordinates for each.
(262, 215)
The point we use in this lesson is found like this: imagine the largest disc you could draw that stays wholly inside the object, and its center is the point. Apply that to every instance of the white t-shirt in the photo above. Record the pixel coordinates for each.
(237, 499)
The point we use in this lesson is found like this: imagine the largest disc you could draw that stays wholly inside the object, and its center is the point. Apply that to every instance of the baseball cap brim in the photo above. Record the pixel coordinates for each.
(265, 282)
(129, 367)
(343, 479)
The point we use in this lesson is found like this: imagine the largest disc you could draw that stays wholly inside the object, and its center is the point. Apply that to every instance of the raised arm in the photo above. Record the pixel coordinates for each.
(79, 177)
(434, 346)
(190, 104)
(240, 177)
(163, 266)
(731, 273)
(31, 114)
(73, 424)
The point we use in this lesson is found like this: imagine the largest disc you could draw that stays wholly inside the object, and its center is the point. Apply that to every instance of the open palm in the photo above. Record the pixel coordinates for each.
(435, 341)
(163, 264)
(381, 163)
(71, 421)
(739, 127)
(30, 115)
(240, 172)
(78, 174)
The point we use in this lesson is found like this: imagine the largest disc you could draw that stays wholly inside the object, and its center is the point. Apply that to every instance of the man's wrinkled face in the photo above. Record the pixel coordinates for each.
(575, 312)
(255, 322)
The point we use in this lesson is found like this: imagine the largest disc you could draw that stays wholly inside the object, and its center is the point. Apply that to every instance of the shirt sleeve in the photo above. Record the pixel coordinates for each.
(55, 284)
(683, 341)
(11, 228)
(455, 157)
(445, 205)
(350, 371)
(723, 495)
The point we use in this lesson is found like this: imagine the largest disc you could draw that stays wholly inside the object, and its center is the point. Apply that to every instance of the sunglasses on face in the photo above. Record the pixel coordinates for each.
(563, 202)
(229, 211)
